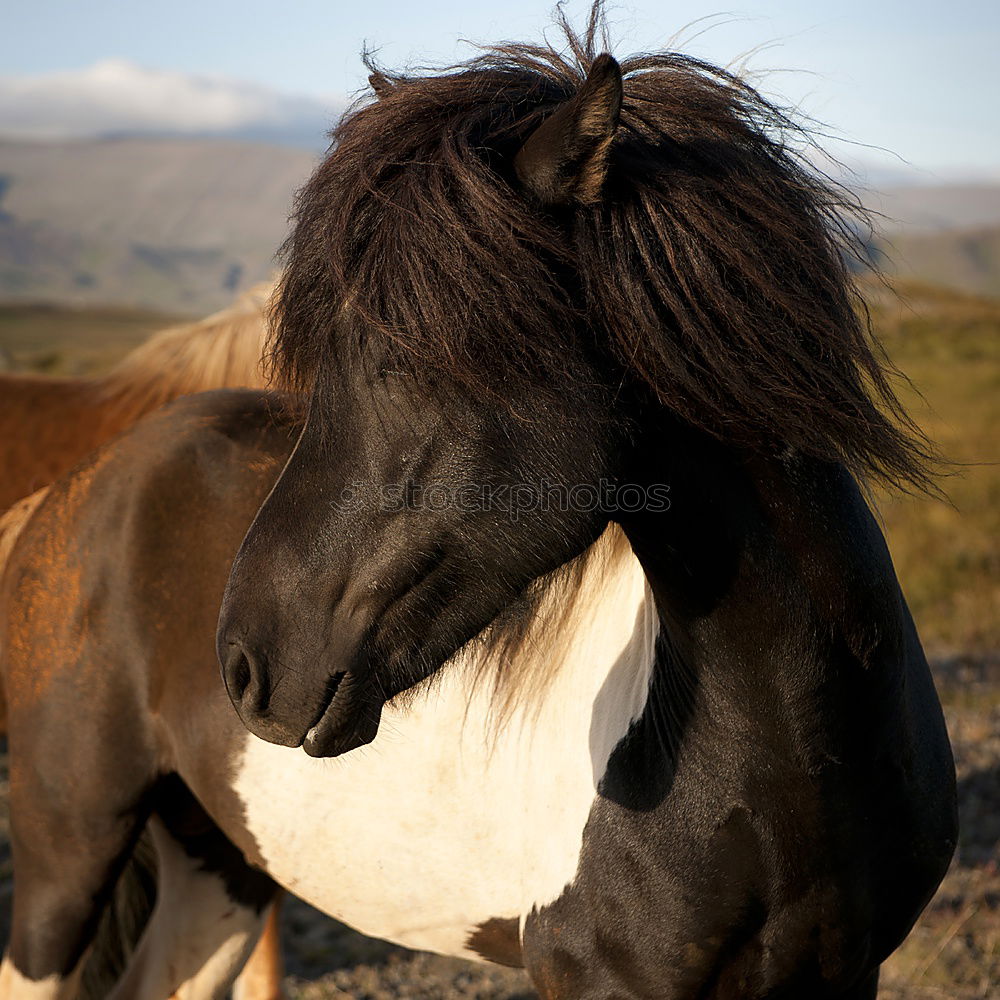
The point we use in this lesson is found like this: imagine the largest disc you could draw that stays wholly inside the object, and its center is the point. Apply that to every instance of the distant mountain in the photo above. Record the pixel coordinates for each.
(119, 98)
(182, 224)
(966, 259)
(945, 234)
(175, 224)
(148, 187)
(927, 208)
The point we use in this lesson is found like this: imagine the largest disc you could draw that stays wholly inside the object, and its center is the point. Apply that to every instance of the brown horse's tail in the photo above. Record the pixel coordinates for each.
(12, 523)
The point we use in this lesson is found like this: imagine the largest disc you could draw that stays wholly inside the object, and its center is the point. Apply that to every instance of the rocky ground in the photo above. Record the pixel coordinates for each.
(952, 954)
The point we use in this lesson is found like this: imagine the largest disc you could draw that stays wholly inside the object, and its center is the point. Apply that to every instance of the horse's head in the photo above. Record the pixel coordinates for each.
(506, 285)
(425, 496)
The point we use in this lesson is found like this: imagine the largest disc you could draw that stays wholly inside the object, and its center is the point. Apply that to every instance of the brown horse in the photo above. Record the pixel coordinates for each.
(566, 563)
(47, 424)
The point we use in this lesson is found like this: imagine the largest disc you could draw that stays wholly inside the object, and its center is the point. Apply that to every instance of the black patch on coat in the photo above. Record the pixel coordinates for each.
(192, 828)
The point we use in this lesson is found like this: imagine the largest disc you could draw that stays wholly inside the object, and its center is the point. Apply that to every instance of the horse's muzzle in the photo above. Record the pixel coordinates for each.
(288, 708)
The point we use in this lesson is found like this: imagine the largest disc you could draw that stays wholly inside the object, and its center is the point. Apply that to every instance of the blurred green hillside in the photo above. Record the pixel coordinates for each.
(965, 259)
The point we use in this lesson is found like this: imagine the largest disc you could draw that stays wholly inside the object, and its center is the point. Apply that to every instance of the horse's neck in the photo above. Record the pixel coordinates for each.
(761, 594)
(781, 777)
(778, 597)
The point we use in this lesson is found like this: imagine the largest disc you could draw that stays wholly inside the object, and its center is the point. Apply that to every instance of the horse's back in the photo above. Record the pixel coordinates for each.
(85, 590)
(49, 423)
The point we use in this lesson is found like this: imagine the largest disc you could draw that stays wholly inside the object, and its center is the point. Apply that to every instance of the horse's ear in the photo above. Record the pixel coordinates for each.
(565, 159)
(380, 83)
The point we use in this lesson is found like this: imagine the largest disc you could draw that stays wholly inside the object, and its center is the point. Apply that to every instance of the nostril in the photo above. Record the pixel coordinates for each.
(239, 673)
(245, 678)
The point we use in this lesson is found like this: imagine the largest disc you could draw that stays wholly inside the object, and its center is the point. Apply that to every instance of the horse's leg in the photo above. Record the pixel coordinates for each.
(66, 865)
(210, 909)
(262, 976)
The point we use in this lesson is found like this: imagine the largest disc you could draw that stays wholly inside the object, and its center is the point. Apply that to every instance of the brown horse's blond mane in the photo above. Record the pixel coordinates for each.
(49, 423)
(223, 349)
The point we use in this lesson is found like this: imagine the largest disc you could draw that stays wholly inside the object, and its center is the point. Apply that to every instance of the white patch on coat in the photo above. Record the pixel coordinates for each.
(444, 822)
(16, 986)
(197, 939)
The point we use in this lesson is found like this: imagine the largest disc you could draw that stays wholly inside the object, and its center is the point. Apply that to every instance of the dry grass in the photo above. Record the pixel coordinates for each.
(947, 555)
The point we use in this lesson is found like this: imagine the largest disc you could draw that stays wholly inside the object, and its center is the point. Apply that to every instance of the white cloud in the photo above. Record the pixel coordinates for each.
(116, 96)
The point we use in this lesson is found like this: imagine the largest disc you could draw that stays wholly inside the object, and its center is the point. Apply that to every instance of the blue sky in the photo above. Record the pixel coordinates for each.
(916, 77)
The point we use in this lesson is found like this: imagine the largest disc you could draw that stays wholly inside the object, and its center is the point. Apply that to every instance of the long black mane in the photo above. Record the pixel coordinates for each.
(712, 265)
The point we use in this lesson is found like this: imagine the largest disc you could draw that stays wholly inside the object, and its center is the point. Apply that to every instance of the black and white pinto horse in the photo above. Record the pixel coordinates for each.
(496, 697)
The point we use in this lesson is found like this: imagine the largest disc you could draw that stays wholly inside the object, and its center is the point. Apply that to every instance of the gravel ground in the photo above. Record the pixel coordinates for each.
(952, 954)
(328, 961)
(954, 950)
